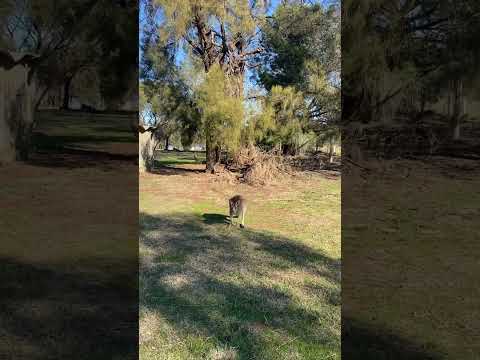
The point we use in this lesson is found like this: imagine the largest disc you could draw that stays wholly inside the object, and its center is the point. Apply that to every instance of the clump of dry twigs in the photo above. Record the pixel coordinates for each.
(257, 167)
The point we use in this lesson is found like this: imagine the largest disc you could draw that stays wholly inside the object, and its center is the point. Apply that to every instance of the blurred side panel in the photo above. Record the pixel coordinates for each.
(69, 179)
(411, 146)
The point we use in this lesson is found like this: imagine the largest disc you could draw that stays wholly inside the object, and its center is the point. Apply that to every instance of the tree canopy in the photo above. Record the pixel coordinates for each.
(69, 37)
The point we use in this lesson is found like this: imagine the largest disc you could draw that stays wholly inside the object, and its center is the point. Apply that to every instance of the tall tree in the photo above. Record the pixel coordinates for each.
(217, 32)
(169, 103)
(294, 36)
(302, 52)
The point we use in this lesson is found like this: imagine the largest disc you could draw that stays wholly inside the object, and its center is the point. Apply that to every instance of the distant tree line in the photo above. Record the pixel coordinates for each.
(70, 40)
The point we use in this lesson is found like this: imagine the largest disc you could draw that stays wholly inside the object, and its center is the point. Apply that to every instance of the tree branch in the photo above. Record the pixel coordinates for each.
(253, 52)
(193, 45)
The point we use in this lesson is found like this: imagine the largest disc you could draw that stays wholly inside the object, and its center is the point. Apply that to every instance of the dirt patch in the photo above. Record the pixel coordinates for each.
(198, 186)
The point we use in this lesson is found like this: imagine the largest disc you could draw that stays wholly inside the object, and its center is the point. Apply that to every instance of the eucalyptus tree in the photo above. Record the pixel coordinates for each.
(223, 36)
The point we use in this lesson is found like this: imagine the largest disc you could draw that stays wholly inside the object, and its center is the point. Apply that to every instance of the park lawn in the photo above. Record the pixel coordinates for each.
(269, 291)
(48, 192)
(178, 158)
(62, 276)
(418, 281)
(85, 131)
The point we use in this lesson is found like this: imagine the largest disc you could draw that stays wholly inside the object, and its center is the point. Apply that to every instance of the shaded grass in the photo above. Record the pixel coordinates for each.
(83, 124)
(208, 291)
(50, 312)
(68, 260)
(57, 130)
(415, 239)
(82, 140)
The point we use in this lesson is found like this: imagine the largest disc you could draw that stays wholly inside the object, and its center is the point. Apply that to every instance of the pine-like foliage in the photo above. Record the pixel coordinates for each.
(222, 114)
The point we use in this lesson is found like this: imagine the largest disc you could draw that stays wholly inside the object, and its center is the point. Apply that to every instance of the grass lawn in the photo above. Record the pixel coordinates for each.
(177, 158)
(410, 248)
(85, 131)
(269, 291)
(61, 276)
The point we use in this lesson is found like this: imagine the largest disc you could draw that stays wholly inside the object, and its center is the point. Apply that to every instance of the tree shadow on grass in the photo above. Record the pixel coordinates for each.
(226, 284)
(211, 219)
(170, 170)
(75, 159)
(362, 341)
(57, 152)
(207, 280)
(47, 313)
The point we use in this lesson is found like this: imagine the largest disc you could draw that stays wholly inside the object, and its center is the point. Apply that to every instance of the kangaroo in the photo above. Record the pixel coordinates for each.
(238, 208)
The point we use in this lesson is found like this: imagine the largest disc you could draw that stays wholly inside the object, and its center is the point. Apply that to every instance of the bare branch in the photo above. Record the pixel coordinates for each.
(253, 52)
(193, 45)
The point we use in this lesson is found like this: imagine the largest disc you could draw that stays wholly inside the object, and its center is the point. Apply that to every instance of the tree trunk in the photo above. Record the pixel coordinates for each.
(217, 155)
(210, 156)
(235, 86)
(17, 112)
(15, 134)
(7, 146)
(423, 102)
(23, 141)
(147, 143)
(66, 93)
(167, 142)
(330, 152)
(456, 129)
(457, 92)
(234, 72)
(41, 97)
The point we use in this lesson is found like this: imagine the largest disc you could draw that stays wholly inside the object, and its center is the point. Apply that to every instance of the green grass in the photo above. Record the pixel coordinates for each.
(174, 158)
(210, 291)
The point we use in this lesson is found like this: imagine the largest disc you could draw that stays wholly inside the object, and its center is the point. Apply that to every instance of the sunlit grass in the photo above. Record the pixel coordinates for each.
(208, 291)
(173, 158)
